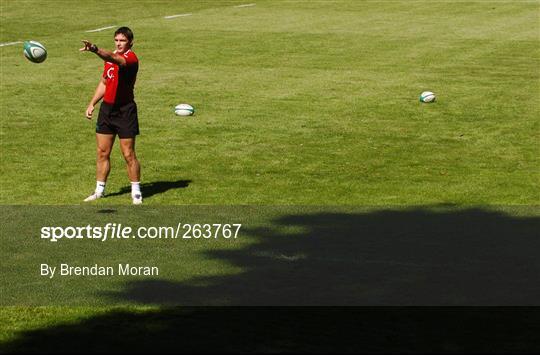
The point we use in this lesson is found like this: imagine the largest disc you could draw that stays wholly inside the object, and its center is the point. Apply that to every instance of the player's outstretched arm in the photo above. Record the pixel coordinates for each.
(104, 54)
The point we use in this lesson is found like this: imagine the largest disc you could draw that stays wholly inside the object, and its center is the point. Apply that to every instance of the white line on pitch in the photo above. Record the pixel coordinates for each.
(100, 29)
(245, 5)
(174, 16)
(9, 43)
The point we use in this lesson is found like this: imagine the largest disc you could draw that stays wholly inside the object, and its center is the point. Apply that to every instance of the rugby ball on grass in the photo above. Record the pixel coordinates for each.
(427, 96)
(35, 51)
(184, 110)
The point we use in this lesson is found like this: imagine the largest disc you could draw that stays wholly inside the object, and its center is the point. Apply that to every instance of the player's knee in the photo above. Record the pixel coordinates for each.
(129, 156)
(103, 154)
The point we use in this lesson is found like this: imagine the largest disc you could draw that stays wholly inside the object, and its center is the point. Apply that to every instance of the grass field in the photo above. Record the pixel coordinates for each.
(299, 104)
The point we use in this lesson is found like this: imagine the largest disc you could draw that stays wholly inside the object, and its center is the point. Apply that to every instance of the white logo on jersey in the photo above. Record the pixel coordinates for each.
(110, 75)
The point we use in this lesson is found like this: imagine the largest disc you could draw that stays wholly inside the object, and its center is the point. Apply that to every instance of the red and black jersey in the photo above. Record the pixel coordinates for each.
(120, 81)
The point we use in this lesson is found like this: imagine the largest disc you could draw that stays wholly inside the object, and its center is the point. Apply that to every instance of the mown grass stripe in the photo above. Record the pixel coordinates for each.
(175, 16)
(9, 43)
(101, 29)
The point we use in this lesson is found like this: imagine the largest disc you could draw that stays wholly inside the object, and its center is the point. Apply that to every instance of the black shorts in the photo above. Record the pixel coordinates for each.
(121, 120)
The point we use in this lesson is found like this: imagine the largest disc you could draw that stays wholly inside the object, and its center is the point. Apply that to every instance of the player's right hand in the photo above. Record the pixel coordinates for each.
(89, 111)
(87, 45)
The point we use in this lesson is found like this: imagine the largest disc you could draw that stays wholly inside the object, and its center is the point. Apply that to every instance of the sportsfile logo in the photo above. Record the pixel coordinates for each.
(121, 232)
(109, 231)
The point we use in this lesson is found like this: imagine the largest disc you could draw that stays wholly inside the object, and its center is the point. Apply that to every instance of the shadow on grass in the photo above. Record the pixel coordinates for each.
(419, 257)
(385, 258)
(153, 188)
(291, 330)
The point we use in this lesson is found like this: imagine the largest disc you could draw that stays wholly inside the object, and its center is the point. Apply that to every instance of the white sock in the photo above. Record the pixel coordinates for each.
(135, 188)
(100, 187)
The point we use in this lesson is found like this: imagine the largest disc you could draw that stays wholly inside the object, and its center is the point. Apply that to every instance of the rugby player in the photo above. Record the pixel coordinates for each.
(118, 111)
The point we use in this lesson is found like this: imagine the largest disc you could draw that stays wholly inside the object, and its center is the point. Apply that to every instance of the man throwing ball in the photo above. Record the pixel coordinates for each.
(118, 111)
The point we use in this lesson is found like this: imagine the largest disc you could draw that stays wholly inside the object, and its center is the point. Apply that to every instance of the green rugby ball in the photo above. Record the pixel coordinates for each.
(35, 51)
(184, 110)
(427, 96)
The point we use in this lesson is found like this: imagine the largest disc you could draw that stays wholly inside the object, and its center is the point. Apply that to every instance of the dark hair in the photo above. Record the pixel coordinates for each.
(126, 31)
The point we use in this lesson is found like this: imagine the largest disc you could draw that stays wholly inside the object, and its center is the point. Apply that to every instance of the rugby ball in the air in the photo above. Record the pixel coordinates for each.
(35, 51)
(427, 96)
(184, 110)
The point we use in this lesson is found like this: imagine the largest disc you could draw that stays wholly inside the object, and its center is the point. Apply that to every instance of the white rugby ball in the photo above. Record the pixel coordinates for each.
(35, 51)
(427, 96)
(184, 110)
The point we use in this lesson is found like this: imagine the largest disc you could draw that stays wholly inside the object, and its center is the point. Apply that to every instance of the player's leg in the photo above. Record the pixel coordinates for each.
(104, 144)
(127, 146)
(128, 129)
(103, 162)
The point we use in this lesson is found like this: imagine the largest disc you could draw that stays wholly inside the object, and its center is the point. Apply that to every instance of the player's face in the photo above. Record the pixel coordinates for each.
(121, 43)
